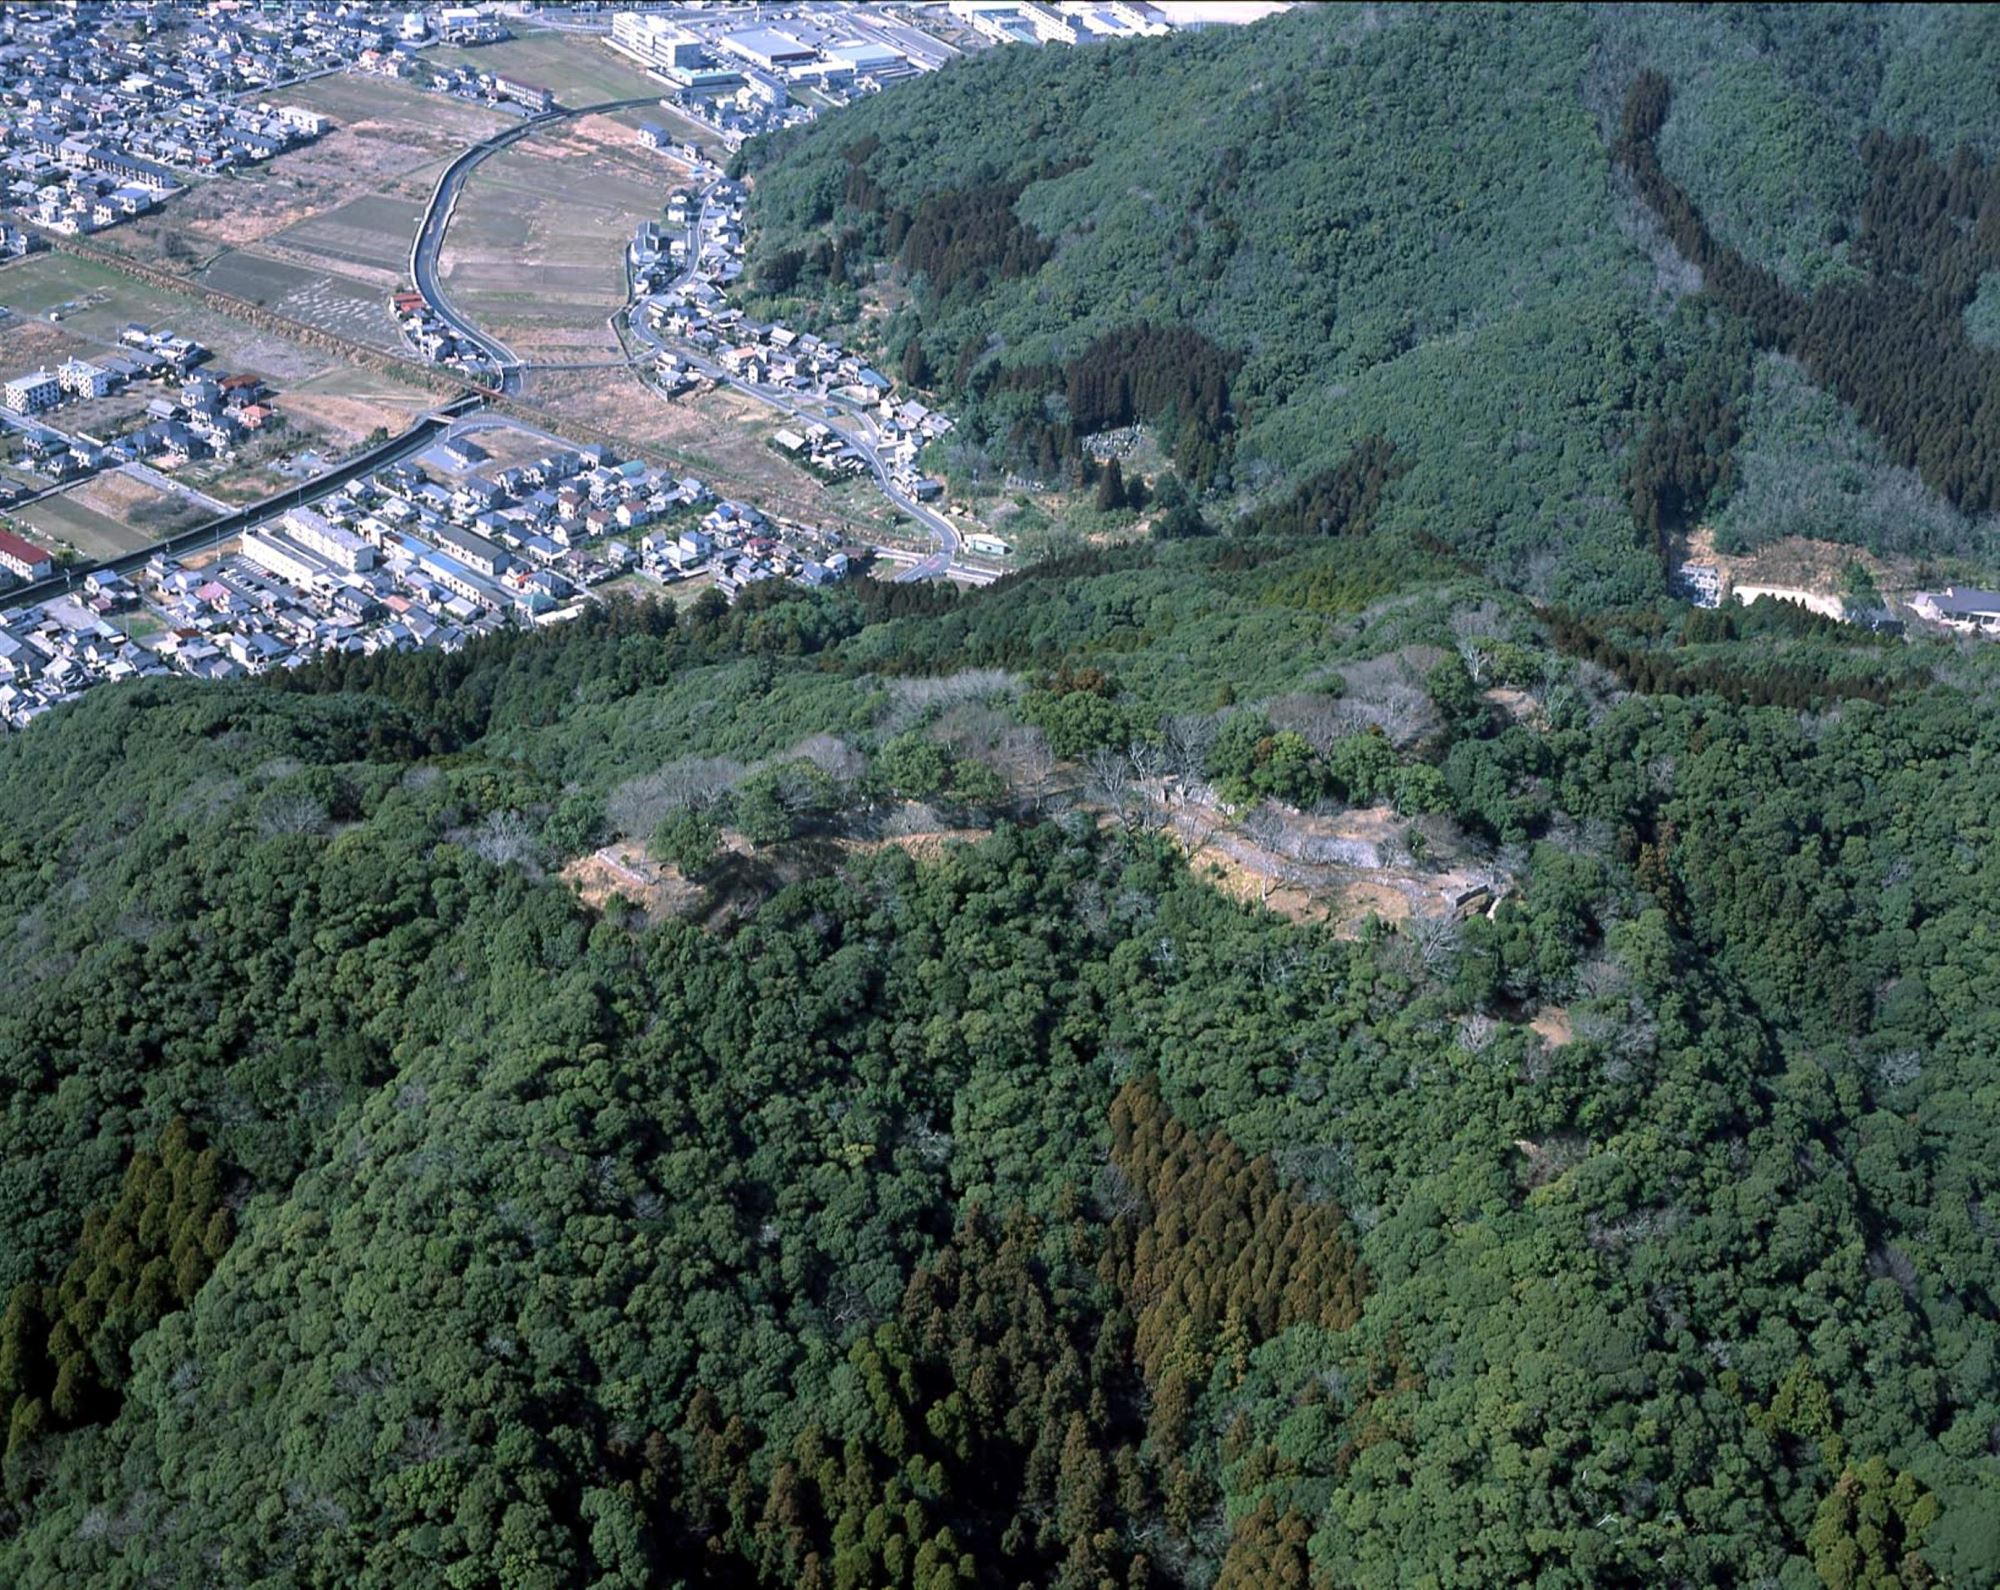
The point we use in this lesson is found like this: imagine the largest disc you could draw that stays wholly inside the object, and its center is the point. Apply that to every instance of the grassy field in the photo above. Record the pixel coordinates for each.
(578, 69)
(41, 282)
(343, 407)
(102, 301)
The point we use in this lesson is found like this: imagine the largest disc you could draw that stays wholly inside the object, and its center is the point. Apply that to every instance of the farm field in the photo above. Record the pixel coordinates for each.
(345, 307)
(536, 249)
(367, 237)
(577, 70)
(111, 514)
(321, 234)
(386, 138)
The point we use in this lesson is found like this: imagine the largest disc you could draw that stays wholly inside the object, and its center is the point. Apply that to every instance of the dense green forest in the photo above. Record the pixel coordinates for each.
(1271, 243)
(1340, 1044)
(1035, 1213)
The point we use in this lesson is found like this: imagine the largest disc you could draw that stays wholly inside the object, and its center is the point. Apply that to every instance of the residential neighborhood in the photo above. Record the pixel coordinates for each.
(680, 273)
(426, 553)
(199, 412)
(109, 110)
(97, 126)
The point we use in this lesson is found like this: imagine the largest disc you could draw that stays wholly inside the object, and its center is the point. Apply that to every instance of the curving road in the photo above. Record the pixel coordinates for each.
(428, 244)
(938, 563)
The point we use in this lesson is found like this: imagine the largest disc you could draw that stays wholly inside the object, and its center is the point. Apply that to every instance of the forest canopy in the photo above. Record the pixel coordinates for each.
(1357, 207)
(1341, 1044)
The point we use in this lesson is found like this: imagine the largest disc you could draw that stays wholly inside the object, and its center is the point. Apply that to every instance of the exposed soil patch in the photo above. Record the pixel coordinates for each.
(625, 871)
(1552, 1022)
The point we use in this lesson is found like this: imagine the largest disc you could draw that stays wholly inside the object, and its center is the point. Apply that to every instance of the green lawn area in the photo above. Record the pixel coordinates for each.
(41, 282)
(62, 520)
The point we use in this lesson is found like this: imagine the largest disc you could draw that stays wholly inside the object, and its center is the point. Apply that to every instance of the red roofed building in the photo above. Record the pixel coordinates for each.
(24, 558)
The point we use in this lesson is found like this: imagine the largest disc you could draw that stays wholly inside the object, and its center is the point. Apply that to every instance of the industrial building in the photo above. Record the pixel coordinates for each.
(768, 48)
(862, 56)
(657, 42)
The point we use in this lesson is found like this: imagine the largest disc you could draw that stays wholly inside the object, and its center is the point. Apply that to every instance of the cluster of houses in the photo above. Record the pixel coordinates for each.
(463, 25)
(200, 412)
(405, 558)
(495, 90)
(426, 334)
(52, 651)
(685, 300)
(738, 546)
(401, 56)
(100, 122)
(210, 52)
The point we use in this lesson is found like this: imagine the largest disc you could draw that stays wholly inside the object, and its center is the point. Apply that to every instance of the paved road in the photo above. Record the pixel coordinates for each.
(861, 436)
(428, 244)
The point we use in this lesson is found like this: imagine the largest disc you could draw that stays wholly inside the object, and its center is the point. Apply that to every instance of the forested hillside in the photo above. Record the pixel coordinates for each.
(1274, 242)
(1341, 1044)
(1030, 1211)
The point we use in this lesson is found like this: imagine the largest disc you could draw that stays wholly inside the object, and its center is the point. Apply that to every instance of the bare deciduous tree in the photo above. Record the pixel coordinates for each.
(832, 755)
(1316, 718)
(1435, 940)
(910, 700)
(504, 838)
(638, 806)
(294, 813)
(1027, 762)
(1109, 775)
(1470, 626)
